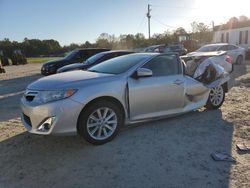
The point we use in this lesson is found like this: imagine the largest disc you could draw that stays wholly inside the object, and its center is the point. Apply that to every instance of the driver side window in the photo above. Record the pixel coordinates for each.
(163, 65)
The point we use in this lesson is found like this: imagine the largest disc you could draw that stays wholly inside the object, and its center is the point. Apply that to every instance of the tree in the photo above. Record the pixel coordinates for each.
(243, 18)
(180, 31)
(199, 27)
(233, 20)
(201, 32)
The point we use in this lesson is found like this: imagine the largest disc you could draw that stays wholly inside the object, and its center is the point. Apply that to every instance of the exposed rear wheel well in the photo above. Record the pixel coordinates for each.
(225, 87)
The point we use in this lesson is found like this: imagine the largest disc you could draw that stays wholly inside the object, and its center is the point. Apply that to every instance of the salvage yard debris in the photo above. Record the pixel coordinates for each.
(218, 156)
(243, 147)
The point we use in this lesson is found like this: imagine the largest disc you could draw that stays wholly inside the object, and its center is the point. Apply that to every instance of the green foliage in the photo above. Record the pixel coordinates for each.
(49, 48)
(40, 59)
(201, 33)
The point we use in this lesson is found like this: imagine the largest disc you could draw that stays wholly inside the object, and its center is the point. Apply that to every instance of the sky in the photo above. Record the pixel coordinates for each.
(77, 21)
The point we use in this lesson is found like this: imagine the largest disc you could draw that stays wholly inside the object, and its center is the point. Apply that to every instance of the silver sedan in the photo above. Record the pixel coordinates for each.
(124, 90)
(235, 52)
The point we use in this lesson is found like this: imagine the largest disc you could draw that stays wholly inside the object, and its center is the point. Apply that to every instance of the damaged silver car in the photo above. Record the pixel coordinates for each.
(124, 90)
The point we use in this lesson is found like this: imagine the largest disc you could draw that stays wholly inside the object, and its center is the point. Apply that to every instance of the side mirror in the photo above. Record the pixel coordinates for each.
(143, 72)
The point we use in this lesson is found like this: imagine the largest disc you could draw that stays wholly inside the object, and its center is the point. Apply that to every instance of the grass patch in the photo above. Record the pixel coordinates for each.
(40, 59)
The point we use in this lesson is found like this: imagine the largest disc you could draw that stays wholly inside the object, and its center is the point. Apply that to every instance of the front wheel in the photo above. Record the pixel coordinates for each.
(100, 122)
(216, 98)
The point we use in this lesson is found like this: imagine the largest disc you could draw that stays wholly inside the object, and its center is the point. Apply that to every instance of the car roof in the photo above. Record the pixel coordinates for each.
(217, 44)
(155, 46)
(88, 49)
(116, 51)
(154, 54)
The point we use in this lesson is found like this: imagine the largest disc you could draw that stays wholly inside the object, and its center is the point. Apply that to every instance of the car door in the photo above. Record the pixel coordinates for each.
(158, 95)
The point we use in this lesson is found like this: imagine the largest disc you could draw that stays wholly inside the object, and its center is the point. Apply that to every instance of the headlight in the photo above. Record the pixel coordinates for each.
(49, 96)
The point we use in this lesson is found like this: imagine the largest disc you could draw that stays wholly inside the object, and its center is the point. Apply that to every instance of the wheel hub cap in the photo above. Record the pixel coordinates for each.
(216, 95)
(102, 123)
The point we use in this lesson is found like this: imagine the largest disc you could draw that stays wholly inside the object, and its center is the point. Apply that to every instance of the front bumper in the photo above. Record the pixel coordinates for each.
(48, 70)
(64, 113)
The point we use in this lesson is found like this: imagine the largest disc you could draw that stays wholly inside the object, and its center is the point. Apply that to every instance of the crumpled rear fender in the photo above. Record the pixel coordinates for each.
(218, 82)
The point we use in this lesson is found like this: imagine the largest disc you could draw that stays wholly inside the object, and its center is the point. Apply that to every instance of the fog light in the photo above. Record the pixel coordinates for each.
(46, 125)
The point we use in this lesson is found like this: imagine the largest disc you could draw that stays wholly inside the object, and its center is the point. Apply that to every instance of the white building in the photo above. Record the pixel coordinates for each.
(233, 33)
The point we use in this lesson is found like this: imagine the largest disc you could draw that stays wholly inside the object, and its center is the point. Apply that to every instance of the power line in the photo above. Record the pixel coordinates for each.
(142, 22)
(160, 22)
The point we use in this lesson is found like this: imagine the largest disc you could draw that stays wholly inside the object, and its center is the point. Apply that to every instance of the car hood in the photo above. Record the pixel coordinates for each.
(65, 80)
(53, 62)
(72, 67)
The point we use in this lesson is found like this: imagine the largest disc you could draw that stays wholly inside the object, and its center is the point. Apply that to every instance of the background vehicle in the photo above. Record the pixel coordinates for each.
(126, 89)
(18, 58)
(2, 70)
(156, 48)
(236, 52)
(75, 56)
(94, 60)
(177, 48)
(4, 59)
(166, 48)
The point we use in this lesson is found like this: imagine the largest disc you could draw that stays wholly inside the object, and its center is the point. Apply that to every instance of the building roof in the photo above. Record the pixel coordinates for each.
(232, 25)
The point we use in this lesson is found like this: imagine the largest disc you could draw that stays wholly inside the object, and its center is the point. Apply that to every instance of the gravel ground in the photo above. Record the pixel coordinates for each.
(169, 153)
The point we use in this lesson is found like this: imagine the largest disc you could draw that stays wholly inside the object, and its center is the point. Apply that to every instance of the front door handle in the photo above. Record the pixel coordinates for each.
(178, 82)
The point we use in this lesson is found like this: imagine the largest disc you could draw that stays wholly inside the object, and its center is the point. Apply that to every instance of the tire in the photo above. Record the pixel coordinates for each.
(216, 98)
(100, 130)
(239, 60)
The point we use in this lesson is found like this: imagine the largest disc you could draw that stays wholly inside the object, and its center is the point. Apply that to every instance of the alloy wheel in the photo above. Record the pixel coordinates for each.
(102, 123)
(216, 95)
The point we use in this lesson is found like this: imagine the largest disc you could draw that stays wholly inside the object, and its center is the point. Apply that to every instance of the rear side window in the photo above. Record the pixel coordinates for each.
(164, 65)
(232, 47)
(224, 48)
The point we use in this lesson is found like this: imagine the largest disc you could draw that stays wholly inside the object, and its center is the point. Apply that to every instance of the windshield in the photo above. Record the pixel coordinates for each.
(210, 48)
(120, 64)
(93, 59)
(71, 54)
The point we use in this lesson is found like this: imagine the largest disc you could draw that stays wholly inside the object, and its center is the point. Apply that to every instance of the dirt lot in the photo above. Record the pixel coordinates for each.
(168, 153)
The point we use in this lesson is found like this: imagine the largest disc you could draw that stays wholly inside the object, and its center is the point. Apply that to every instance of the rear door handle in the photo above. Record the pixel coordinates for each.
(178, 82)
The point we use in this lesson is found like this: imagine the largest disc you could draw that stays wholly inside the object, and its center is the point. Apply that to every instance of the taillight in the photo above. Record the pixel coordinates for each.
(229, 59)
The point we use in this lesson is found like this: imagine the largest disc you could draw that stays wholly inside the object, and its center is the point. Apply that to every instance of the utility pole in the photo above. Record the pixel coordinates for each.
(149, 16)
(213, 25)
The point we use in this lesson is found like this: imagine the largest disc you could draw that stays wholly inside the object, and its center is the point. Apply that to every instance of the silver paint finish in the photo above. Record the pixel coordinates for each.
(142, 99)
(65, 111)
(154, 96)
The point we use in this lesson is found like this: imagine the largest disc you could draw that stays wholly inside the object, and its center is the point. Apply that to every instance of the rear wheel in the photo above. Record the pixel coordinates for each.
(239, 60)
(100, 122)
(216, 98)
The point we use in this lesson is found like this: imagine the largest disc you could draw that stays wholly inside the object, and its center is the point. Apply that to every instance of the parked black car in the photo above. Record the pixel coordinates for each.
(94, 60)
(176, 48)
(156, 48)
(75, 56)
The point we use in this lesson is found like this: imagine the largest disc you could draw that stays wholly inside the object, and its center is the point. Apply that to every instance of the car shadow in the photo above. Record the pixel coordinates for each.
(173, 152)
